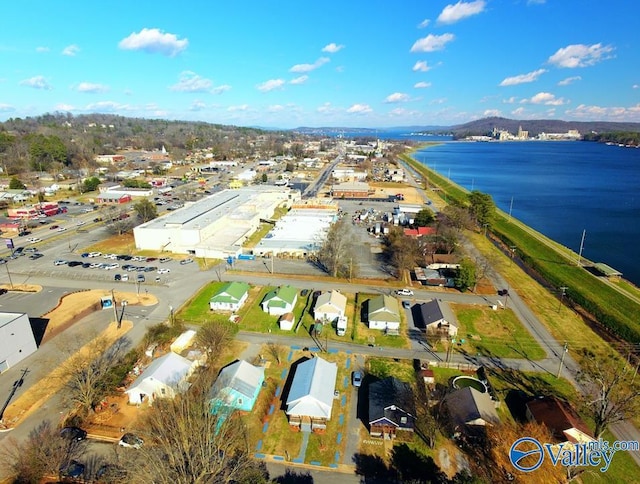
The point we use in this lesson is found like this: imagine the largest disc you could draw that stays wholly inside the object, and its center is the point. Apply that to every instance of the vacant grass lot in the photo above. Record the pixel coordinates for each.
(494, 333)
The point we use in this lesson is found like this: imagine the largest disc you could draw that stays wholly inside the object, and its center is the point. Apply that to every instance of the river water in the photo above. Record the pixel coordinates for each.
(558, 188)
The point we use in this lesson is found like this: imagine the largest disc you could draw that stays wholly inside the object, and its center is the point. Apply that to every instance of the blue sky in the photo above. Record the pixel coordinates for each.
(355, 63)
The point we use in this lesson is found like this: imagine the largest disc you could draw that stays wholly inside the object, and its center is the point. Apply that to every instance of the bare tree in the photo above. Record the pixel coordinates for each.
(336, 253)
(276, 351)
(84, 373)
(43, 453)
(186, 443)
(612, 393)
(214, 336)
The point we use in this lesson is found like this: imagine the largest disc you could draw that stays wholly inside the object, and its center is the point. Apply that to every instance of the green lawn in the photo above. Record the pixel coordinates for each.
(494, 333)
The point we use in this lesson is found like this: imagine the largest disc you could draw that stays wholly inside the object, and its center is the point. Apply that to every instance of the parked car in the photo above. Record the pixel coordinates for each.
(117, 277)
(94, 254)
(186, 261)
(131, 440)
(164, 271)
(60, 262)
(356, 378)
(140, 278)
(164, 259)
(73, 433)
(406, 304)
(74, 263)
(404, 292)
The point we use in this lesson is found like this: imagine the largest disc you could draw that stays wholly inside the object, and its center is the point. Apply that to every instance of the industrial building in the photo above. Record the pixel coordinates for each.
(16, 339)
(216, 226)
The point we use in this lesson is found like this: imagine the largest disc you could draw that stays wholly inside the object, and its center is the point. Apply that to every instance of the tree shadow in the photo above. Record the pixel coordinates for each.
(294, 477)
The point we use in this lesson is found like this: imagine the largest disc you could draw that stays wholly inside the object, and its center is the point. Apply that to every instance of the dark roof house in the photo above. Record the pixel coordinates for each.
(391, 408)
(560, 418)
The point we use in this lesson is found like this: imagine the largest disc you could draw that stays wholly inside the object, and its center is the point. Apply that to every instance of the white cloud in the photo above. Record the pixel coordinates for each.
(461, 10)
(275, 108)
(71, 50)
(424, 23)
(36, 82)
(536, 2)
(41, 50)
(239, 107)
(309, 67)
(523, 78)
(197, 105)
(569, 80)
(191, 82)
(299, 80)
(397, 97)
(518, 111)
(107, 107)
(270, 85)
(360, 109)
(422, 85)
(91, 87)
(635, 86)
(491, 112)
(65, 107)
(511, 100)
(6, 108)
(431, 43)
(154, 41)
(332, 48)
(220, 89)
(326, 108)
(581, 55)
(547, 99)
(441, 100)
(421, 66)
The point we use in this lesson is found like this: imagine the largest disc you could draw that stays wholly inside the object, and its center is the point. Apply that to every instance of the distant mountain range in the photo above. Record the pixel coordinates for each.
(485, 126)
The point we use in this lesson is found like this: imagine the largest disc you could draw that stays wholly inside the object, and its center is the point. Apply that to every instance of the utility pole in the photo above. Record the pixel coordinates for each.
(564, 352)
(113, 303)
(513, 253)
(563, 292)
(6, 265)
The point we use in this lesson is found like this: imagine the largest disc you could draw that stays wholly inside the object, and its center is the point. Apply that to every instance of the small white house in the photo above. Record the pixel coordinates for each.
(280, 301)
(163, 378)
(16, 339)
(330, 306)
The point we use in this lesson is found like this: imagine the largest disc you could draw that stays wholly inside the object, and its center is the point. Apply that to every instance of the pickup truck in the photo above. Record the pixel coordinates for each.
(404, 292)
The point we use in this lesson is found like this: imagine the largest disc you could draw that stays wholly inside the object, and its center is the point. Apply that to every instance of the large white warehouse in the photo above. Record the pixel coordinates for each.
(16, 339)
(216, 226)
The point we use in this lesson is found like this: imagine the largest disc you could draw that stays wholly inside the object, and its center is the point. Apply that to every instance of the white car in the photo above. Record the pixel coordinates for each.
(404, 292)
(59, 262)
(164, 271)
(113, 265)
(61, 229)
(34, 240)
(80, 222)
(94, 254)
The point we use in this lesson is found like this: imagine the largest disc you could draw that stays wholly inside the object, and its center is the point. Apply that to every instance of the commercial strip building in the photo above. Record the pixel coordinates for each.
(299, 233)
(216, 226)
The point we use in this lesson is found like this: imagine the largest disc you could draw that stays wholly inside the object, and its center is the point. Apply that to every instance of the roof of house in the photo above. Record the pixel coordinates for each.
(169, 370)
(557, 415)
(383, 308)
(389, 400)
(471, 407)
(434, 311)
(286, 294)
(231, 292)
(312, 388)
(332, 299)
(419, 231)
(241, 376)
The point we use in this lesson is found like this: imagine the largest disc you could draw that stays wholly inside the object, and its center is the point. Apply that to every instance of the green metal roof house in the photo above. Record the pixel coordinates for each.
(280, 301)
(230, 297)
(383, 313)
